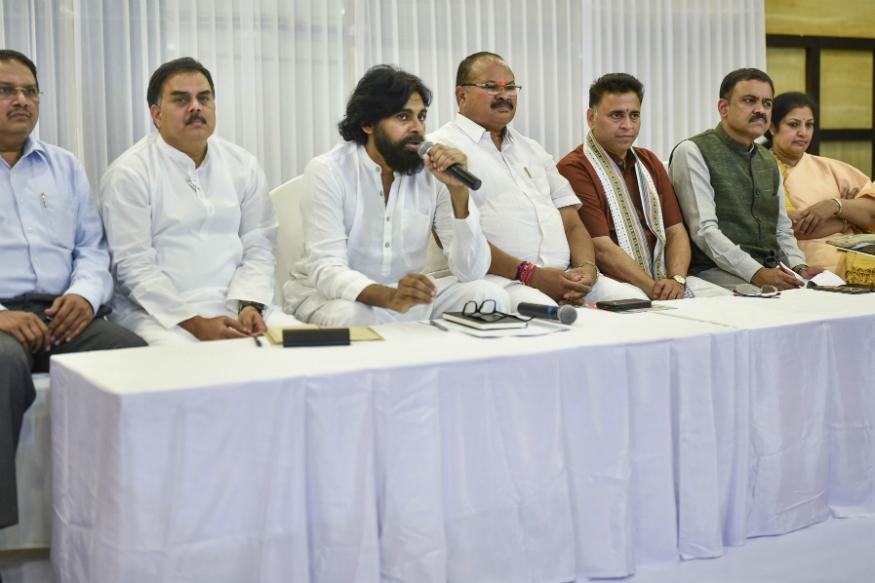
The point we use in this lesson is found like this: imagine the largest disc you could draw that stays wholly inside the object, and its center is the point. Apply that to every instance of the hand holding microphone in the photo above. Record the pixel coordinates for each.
(452, 160)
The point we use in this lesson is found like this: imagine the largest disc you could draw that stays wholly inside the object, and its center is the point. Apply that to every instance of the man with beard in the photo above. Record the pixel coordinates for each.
(369, 211)
(730, 192)
(55, 265)
(189, 222)
(541, 251)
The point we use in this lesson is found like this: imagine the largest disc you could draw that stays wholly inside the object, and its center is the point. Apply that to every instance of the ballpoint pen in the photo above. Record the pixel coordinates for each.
(257, 341)
(438, 325)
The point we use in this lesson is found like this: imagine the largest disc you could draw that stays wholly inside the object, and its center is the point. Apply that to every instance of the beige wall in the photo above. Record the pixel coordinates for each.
(846, 76)
(854, 18)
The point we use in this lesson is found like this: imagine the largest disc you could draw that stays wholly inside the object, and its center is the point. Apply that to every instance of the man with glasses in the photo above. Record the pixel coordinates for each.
(730, 191)
(55, 276)
(541, 251)
(629, 206)
(370, 209)
(189, 222)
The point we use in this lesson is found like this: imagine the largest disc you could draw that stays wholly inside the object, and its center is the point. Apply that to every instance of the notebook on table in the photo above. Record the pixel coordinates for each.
(493, 321)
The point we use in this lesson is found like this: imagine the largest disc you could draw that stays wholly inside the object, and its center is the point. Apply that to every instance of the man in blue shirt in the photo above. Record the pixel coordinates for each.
(55, 275)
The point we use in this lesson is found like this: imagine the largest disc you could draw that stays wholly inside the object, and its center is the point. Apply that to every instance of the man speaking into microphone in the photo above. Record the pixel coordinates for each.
(369, 209)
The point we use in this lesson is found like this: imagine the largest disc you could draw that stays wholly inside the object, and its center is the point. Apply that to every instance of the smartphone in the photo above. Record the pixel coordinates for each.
(623, 305)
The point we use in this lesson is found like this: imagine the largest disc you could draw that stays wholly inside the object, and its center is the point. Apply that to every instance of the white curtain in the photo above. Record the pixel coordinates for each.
(284, 68)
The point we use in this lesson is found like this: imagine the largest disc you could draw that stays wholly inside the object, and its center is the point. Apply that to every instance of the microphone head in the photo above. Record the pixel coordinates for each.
(567, 314)
(424, 147)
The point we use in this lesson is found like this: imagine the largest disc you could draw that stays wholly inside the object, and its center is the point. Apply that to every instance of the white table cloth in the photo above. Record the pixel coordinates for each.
(439, 457)
(33, 473)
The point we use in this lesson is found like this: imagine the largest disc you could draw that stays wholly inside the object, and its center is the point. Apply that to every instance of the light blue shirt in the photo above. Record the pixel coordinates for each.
(51, 237)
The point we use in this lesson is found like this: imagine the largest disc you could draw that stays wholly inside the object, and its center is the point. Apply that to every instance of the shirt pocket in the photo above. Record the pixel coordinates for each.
(61, 213)
(539, 180)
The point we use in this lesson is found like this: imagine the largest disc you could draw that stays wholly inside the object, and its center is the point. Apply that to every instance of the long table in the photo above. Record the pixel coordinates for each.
(435, 456)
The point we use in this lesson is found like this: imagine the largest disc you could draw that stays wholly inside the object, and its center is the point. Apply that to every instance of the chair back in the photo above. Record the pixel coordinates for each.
(290, 235)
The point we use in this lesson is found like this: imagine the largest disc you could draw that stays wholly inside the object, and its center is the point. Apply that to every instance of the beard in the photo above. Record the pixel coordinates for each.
(396, 155)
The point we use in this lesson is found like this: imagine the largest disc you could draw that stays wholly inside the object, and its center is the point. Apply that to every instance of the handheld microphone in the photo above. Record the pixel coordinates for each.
(457, 170)
(565, 314)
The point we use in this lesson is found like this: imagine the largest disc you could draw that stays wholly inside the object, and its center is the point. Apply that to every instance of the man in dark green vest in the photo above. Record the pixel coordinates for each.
(730, 192)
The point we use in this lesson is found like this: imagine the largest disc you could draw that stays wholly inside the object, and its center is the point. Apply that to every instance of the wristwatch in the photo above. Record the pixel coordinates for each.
(801, 268)
(241, 305)
(680, 279)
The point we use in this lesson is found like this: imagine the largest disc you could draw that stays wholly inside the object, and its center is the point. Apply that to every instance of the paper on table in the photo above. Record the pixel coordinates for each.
(536, 327)
(356, 333)
(825, 277)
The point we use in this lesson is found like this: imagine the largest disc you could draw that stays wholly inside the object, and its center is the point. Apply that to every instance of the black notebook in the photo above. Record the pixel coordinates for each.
(494, 321)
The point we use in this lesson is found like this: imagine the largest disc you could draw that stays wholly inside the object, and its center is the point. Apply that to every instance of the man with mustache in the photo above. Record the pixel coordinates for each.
(55, 266)
(731, 195)
(189, 222)
(370, 209)
(629, 206)
(541, 251)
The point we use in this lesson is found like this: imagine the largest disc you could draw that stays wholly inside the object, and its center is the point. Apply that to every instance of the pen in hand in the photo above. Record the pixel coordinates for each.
(257, 341)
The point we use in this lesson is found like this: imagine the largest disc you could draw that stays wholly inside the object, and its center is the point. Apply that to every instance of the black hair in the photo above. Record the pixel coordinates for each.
(614, 83)
(170, 68)
(464, 71)
(381, 92)
(735, 77)
(11, 55)
(784, 104)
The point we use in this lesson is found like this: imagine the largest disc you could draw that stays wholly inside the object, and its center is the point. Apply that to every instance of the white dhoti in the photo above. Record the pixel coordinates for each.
(451, 297)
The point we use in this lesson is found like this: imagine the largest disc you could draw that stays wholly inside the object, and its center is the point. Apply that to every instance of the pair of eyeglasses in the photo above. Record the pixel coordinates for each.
(495, 88)
(748, 290)
(486, 311)
(30, 92)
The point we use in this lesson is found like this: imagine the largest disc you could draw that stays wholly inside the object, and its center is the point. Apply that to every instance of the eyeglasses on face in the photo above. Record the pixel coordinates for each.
(496, 88)
(30, 92)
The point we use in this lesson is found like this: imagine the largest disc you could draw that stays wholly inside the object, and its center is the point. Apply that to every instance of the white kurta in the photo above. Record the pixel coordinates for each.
(188, 241)
(354, 237)
(519, 205)
(521, 195)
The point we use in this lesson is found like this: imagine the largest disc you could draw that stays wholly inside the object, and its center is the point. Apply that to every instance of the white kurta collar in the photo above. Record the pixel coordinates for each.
(178, 156)
(477, 133)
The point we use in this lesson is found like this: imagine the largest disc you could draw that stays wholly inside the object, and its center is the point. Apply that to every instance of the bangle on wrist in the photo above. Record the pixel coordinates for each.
(839, 206)
(525, 271)
(594, 267)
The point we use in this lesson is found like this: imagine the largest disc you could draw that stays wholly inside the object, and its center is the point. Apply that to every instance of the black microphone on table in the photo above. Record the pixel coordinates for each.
(457, 170)
(565, 314)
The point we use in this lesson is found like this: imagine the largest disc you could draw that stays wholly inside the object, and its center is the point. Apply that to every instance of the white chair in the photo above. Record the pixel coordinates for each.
(290, 237)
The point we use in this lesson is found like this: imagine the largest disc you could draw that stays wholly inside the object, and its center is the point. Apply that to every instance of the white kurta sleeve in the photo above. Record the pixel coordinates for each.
(126, 206)
(462, 240)
(254, 278)
(325, 237)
